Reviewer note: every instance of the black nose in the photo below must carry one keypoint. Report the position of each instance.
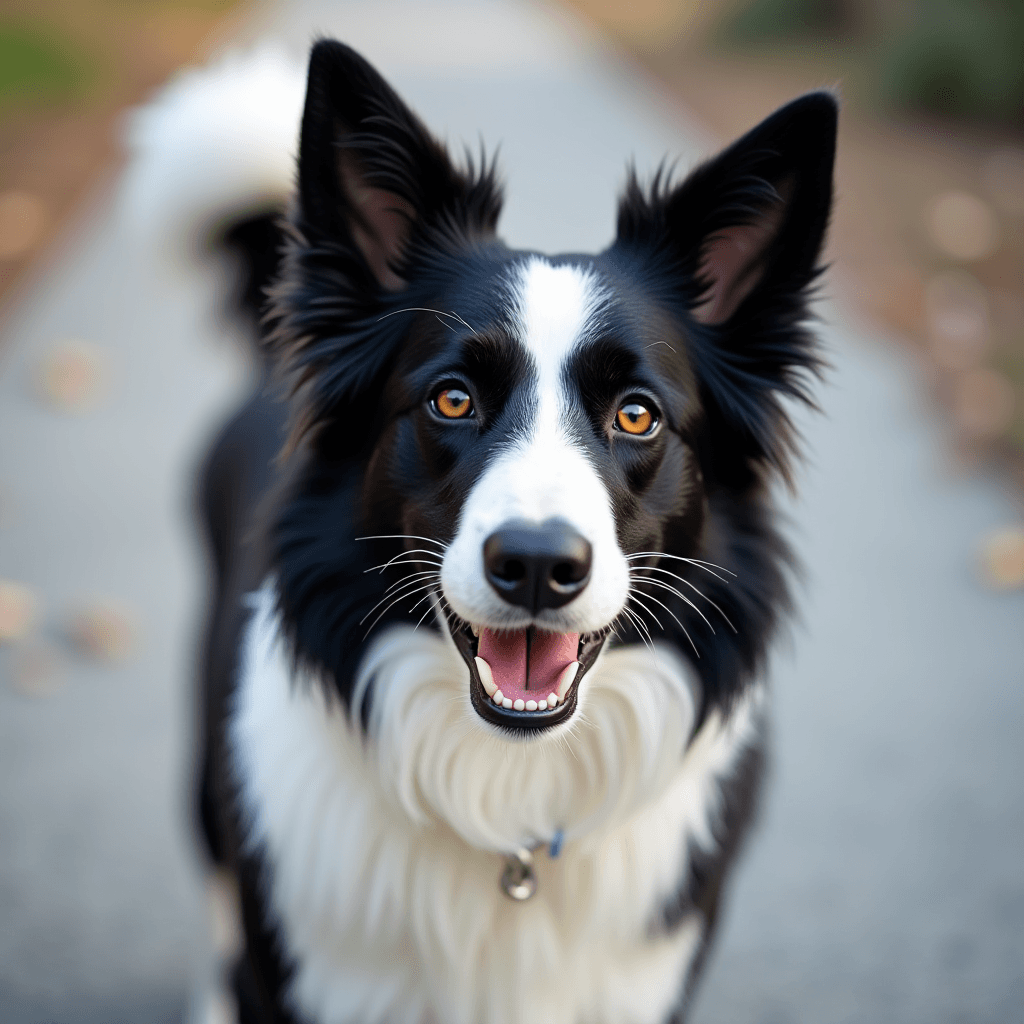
(537, 565)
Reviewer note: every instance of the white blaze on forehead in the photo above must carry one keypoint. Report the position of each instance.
(555, 306)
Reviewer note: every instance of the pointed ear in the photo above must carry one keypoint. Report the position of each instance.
(753, 218)
(735, 249)
(378, 202)
(370, 174)
(766, 200)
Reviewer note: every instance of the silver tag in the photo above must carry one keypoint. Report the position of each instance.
(518, 879)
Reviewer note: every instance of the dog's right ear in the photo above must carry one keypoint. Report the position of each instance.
(378, 197)
(370, 174)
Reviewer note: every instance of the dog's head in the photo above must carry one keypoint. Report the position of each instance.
(545, 452)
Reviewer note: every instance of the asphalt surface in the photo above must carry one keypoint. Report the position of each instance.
(886, 879)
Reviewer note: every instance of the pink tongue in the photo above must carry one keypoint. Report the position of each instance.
(506, 652)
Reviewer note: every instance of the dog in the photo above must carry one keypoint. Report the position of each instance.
(496, 573)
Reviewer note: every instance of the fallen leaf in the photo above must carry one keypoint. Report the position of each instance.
(38, 671)
(983, 404)
(1002, 558)
(17, 611)
(962, 226)
(105, 631)
(23, 218)
(72, 376)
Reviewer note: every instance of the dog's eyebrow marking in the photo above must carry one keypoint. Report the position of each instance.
(426, 309)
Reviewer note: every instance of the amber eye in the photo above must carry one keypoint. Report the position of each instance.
(453, 404)
(635, 418)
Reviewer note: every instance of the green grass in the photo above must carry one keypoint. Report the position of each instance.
(960, 59)
(783, 21)
(39, 65)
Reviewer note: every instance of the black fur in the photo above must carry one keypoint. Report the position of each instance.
(361, 359)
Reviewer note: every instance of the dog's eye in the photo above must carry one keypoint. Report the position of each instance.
(635, 418)
(453, 404)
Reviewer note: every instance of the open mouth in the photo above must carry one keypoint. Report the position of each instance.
(525, 678)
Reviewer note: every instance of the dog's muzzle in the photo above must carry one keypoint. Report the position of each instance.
(527, 678)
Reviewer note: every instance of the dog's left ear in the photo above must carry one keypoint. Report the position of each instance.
(755, 216)
(741, 238)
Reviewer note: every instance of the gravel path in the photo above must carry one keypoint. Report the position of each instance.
(886, 881)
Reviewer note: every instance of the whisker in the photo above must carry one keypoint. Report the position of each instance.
(448, 614)
(681, 626)
(633, 596)
(699, 563)
(412, 576)
(681, 596)
(417, 604)
(402, 554)
(654, 568)
(461, 321)
(405, 536)
(412, 551)
(641, 627)
(425, 614)
(411, 561)
(397, 596)
(658, 568)
(630, 622)
(400, 597)
(651, 597)
(426, 309)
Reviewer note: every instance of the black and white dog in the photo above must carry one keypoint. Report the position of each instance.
(497, 573)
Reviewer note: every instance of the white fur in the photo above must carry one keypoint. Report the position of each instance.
(383, 849)
(544, 473)
(214, 142)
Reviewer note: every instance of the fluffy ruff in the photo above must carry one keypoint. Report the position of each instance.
(385, 879)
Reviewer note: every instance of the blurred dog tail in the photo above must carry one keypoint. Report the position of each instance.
(210, 171)
(212, 166)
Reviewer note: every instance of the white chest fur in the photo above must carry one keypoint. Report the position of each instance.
(385, 852)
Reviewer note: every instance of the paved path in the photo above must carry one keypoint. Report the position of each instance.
(886, 882)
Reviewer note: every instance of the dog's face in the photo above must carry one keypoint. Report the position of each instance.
(534, 447)
(539, 432)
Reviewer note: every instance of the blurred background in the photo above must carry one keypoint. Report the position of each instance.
(888, 882)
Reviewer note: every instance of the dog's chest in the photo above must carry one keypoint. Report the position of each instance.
(419, 930)
(391, 919)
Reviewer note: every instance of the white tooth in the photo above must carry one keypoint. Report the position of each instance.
(497, 696)
(519, 704)
(506, 703)
(565, 680)
(476, 631)
(531, 705)
(486, 676)
(542, 705)
(552, 699)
